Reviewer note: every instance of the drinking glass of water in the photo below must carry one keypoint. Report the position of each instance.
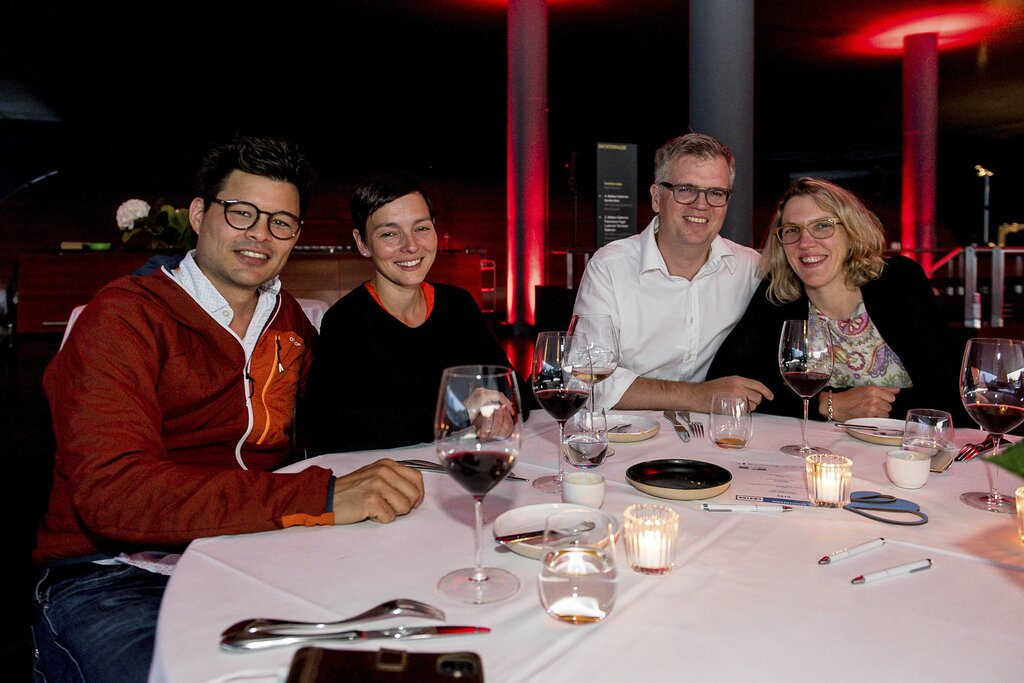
(586, 439)
(578, 576)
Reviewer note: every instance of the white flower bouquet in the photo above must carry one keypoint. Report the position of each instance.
(165, 228)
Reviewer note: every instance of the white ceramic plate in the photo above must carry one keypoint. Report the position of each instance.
(639, 429)
(886, 438)
(533, 517)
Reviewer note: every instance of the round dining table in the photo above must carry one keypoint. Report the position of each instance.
(747, 599)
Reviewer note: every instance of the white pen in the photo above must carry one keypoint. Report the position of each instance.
(908, 568)
(714, 507)
(850, 552)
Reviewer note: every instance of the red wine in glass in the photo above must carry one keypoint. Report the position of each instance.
(562, 404)
(806, 384)
(805, 361)
(992, 390)
(995, 418)
(478, 471)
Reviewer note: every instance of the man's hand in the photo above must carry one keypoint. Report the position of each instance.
(659, 394)
(380, 491)
(732, 385)
(858, 402)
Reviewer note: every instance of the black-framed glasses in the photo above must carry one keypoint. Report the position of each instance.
(243, 215)
(819, 229)
(687, 194)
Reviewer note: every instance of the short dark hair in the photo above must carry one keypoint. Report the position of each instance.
(382, 189)
(268, 157)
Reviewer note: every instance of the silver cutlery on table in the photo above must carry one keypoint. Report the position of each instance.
(537, 533)
(972, 450)
(261, 641)
(399, 607)
(696, 428)
(680, 428)
(881, 431)
(620, 429)
(428, 466)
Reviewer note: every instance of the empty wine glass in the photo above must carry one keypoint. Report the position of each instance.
(992, 390)
(805, 360)
(477, 439)
(561, 366)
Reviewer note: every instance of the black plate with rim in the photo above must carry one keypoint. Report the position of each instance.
(679, 479)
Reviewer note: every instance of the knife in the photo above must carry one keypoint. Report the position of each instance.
(537, 533)
(680, 429)
(260, 641)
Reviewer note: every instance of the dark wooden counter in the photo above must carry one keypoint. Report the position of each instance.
(50, 285)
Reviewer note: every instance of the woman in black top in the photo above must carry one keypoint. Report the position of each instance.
(893, 349)
(383, 346)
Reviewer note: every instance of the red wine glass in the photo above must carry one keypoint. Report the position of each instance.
(561, 370)
(992, 390)
(477, 439)
(805, 361)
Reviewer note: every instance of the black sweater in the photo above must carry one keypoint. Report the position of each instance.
(903, 308)
(374, 380)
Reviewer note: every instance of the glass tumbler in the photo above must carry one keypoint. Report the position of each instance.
(578, 576)
(730, 421)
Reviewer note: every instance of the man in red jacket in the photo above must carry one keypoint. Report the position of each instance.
(172, 403)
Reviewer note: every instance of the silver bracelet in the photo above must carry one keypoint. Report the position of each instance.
(831, 415)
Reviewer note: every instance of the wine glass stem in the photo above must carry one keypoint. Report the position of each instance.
(993, 493)
(803, 427)
(561, 445)
(479, 574)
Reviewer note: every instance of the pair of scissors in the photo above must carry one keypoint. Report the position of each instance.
(867, 502)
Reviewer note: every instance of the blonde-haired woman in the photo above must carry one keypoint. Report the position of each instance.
(823, 257)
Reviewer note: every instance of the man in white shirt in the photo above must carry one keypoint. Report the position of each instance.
(677, 289)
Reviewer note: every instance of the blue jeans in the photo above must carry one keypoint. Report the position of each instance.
(95, 623)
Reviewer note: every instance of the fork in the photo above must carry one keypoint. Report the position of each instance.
(697, 428)
(417, 464)
(392, 608)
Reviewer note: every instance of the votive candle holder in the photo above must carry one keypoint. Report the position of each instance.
(650, 531)
(828, 479)
(1020, 513)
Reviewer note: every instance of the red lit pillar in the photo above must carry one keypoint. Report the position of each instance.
(527, 185)
(920, 133)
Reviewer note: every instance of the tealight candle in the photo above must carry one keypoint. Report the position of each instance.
(650, 533)
(828, 479)
(1020, 513)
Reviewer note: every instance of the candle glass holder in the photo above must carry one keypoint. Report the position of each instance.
(1020, 513)
(650, 531)
(828, 479)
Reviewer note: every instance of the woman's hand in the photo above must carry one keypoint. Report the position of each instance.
(858, 402)
(492, 414)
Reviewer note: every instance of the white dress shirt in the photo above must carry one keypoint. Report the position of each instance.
(669, 327)
(194, 281)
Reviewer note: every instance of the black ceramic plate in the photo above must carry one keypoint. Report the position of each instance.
(679, 479)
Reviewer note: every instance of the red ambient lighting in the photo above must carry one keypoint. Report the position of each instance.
(956, 26)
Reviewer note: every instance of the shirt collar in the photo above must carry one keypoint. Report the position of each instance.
(720, 254)
(194, 281)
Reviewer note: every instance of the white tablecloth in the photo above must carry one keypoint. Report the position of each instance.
(747, 600)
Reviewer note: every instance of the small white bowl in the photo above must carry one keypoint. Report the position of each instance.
(907, 469)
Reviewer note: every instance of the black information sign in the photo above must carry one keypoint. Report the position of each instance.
(616, 191)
